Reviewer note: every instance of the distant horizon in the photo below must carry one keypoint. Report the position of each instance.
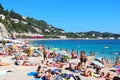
(71, 16)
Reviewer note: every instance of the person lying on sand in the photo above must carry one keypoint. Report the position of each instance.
(28, 63)
(102, 76)
(108, 76)
(20, 57)
(56, 64)
(87, 72)
(3, 64)
(48, 64)
(70, 67)
(48, 75)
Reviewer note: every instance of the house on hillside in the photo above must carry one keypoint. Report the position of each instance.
(62, 31)
(118, 37)
(62, 37)
(24, 17)
(15, 20)
(111, 38)
(47, 30)
(24, 22)
(100, 38)
(2, 16)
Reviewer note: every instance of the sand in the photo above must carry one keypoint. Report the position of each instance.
(20, 72)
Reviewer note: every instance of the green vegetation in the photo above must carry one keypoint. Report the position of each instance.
(26, 25)
(14, 22)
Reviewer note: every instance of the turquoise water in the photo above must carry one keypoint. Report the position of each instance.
(103, 48)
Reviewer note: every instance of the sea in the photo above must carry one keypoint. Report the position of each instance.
(109, 49)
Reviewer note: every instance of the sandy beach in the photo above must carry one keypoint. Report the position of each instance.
(20, 72)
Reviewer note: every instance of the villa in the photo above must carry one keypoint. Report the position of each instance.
(2, 16)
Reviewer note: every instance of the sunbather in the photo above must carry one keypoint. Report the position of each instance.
(3, 64)
(40, 72)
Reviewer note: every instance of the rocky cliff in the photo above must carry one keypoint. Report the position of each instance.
(3, 31)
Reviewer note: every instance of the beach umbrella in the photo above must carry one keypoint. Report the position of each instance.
(55, 49)
(98, 63)
(9, 44)
(99, 58)
(60, 52)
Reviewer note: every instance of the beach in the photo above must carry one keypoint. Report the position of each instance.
(20, 72)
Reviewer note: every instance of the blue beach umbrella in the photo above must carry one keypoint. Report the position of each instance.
(10, 44)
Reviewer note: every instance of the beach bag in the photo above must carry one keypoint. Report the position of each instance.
(76, 78)
(68, 76)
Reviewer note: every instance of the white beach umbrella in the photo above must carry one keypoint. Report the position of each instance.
(98, 63)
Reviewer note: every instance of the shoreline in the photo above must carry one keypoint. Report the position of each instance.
(64, 39)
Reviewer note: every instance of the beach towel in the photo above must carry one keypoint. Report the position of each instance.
(68, 76)
(76, 71)
(63, 75)
(57, 77)
(32, 74)
(37, 79)
(55, 59)
(4, 72)
(115, 66)
(54, 71)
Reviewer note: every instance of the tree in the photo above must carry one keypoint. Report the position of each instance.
(6, 13)
(1, 9)
(15, 15)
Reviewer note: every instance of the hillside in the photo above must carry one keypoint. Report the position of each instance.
(17, 24)
(13, 24)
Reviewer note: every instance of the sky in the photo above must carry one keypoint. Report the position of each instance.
(71, 15)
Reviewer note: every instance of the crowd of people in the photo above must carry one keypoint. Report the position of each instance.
(46, 74)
